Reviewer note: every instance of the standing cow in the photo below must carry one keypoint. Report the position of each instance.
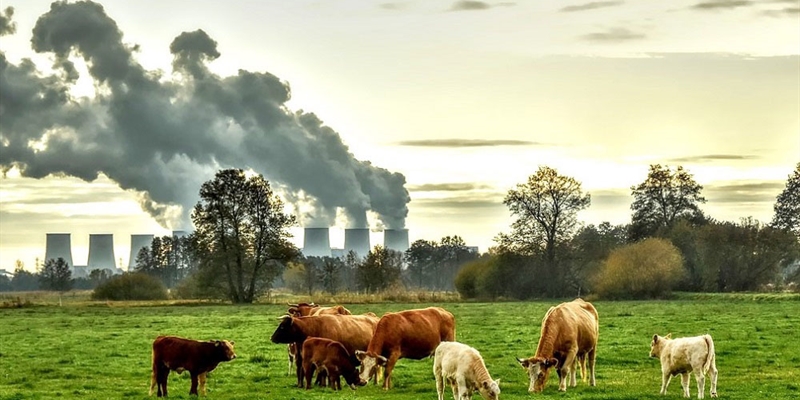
(304, 310)
(179, 354)
(406, 334)
(463, 368)
(569, 336)
(353, 331)
(330, 357)
(684, 355)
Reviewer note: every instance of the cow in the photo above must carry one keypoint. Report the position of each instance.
(462, 367)
(331, 357)
(568, 338)
(353, 331)
(179, 354)
(306, 309)
(684, 355)
(406, 334)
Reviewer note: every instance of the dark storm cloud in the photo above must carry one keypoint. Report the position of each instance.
(711, 158)
(164, 138)
(468, 143)
(744, 192)
(614, 35)
(591, 6)
(721, 4)
(448, 187)
(7, 27)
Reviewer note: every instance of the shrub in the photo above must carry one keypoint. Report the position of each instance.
(466, 281)
(647, 269)
(131, 286)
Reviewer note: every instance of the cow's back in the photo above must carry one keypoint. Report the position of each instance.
(352, 331)
(568, 325)
(415, 333)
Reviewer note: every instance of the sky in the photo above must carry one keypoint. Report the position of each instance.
(406, 114)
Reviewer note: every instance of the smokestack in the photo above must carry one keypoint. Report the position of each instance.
(101, 252)
(357, 240)
(396, 239)
(59, 245)
(316, 242)
(138, 242)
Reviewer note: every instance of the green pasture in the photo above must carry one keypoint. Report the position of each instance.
(102, 351)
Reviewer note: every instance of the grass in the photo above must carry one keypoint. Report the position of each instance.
(102, 351)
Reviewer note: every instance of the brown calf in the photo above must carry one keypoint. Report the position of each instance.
(329, 356)
(179, 354)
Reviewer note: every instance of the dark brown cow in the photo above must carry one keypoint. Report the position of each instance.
(331, 357)
(352, 331)
(406, 334)
(569, 337)
(179, 354)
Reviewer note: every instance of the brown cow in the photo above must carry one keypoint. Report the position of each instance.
(331, 357)
(306, 309)
(353, 331)
(179, 354)
(406, 334)
(569, 336)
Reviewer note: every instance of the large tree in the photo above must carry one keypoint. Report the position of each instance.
(242, 237)
(168, 258)
(380, 269)
(665, 197)
(545, 208)
(55, 275)
(421, 260)
(787, 205)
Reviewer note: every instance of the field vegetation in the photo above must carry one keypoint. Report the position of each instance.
(101, 350)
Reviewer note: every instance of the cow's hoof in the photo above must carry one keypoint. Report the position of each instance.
(714, 394)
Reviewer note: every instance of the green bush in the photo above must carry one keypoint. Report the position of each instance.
(131, 286)
(647, 269)
(466, 281)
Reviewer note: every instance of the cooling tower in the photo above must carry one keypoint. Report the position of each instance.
(357, 240)
(101, 252)
(316, 242)
(179, 234)
(138, 242)
(395, 239)
(59, 245)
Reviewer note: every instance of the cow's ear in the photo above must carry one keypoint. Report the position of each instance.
(551, 363)
(669, 335)
(655, 338)
(524, 362)
(232, 342)
(360, 355)
(217, 343)
(497, 382)
(381, 360)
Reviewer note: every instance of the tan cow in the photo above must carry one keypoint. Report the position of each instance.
(353, 331)
(179, 354)
(410, 334)
(463, 368)
(568, 337)
(684, 355)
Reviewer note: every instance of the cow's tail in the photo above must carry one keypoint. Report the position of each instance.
(710, 356)
(153, 376)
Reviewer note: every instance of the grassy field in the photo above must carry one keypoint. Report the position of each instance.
(102, 351)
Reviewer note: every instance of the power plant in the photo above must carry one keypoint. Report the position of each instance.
(138, 242)
(59, 245)
(316, 242)
(357, 240)
(101, 252)
(396, 239)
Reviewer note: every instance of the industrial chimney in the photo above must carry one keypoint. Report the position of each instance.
(101, 252)
(138, 242)
(357, 240)
(316, 242)
(59, 245)
(396, 239)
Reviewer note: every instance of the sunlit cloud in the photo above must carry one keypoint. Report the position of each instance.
(591, 6)
(469, 143)
(614, 35)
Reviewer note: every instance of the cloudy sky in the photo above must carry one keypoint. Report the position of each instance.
(113, 113)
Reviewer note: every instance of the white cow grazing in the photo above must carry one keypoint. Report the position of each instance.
(463, 368)
(684, 355)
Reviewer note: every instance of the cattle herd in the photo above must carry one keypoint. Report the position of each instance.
(336, 344)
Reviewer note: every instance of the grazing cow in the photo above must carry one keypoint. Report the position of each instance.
(462, 367)
(352, 331)
(179, 354)
(406, 334)
(306, 309)
(331, 357)
(568, 338)
(684, 355)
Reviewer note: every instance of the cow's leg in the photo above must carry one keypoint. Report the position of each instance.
(700, 377)
(454, 387)
(591, 356)
(202, 380)
(322, 378)
(298, 361)
(193, 389)
(387, 373)
(162, 376)
(308, 371)
(573, 372)
(685, 383)
(565, 370)
(665, 378)
(439, 384)
(291, 359)
(463, 390)
(713, 372)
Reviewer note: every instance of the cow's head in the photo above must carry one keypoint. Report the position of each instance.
(286, 332)
(352, 377)
(490, 390)
(538, 370)
(657, 344)
(370, 363)
(224, 350)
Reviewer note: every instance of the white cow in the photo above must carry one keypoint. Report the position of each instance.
(463, 368)
(684, 355)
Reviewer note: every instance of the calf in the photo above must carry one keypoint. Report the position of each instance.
(684, 355)
(463, 368)
(331, 357)
(179, 354)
